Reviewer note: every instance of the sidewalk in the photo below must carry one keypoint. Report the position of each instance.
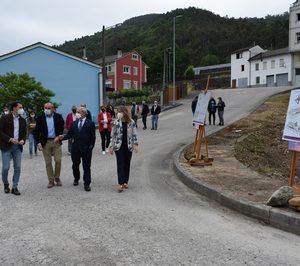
(220, 181)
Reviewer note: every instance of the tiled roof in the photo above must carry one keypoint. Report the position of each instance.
(271, 53)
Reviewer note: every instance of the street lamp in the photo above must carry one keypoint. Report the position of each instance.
(174, 55)
(166, 66)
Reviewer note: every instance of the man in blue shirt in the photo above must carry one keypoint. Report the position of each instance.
(48, 128)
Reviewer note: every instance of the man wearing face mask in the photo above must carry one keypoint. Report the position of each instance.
(83, 133)
(12, 139)
(48, 128)
(5, 111)
(71, 117)
(155, 111)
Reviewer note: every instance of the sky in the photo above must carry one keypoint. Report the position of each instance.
(24, 22)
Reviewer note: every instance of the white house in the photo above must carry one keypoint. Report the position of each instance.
(240, 66)
(271, 68)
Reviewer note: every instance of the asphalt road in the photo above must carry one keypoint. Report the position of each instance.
(157, 221)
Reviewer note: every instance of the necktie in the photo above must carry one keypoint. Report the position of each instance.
(80, 124)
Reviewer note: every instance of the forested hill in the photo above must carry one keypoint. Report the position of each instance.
(198, 33)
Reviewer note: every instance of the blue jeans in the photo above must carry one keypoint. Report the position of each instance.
(32, 143)
(154, 121)
(15, 153)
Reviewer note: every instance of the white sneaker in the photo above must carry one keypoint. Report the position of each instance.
(103, 153)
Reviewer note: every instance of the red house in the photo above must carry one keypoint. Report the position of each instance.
(124, 70)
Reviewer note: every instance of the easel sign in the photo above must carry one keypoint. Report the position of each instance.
(201, 109)
(291, 133)
(199, 124)
(291, 130)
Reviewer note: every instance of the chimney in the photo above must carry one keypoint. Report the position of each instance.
(119, 52)
(84, 53)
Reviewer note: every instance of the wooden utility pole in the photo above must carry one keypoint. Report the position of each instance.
(103, 66)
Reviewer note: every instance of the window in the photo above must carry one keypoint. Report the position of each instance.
(135, 71)
(126, 69)
(273, 64)
(135, 84)
(281, 62)
(109, 68)
(264, 65)
(242, 68)
(239, 55)
(135, 57)
(298, 16)
(257, 67)
(298, 37)
(126, 84)
(108, 83)
(257, 80)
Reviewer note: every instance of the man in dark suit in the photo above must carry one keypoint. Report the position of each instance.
(12, 139)
(83, 133)
(48, 128)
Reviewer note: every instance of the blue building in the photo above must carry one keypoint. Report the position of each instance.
(72, 79)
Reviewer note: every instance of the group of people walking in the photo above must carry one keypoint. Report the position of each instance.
(144, 110)
(212, 108)
(47, 131)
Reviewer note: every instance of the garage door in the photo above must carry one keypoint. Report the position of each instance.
(282, 79)
(270, 81)
(242, 82)
(297, 77)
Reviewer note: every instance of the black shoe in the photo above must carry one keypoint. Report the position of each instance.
(75, 183)
(15, 191)
(6, 188)
(87, 188)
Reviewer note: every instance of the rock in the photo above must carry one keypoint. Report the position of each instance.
(295, 201)
(280, 197)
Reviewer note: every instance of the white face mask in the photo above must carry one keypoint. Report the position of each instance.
(47, 111)
(32, 116)
(21, 111)
(6, 112)
(119, 115)
(78, 115)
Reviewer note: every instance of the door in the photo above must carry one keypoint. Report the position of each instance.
(242, 82)
(270, 81)
(297, 77)
(233, 85)
(282, 79)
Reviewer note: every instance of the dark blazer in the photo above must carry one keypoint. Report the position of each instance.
(157, 110)
(83, 140)
(41, 129)
(145, 109)
(7, 131)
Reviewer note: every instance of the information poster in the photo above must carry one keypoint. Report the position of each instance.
(201, 109)
(291, 130)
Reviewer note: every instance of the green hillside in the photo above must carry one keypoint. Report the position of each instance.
(198, 33)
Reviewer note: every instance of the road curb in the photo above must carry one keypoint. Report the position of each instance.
(287, 221)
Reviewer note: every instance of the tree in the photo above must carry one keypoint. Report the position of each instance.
(209, 60)
(26, 90)
(189, 73)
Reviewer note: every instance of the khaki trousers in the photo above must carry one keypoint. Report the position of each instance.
(49, 150)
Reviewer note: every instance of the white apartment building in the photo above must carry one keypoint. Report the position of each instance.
(240, 66)
(271, 68)
(294, 41)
